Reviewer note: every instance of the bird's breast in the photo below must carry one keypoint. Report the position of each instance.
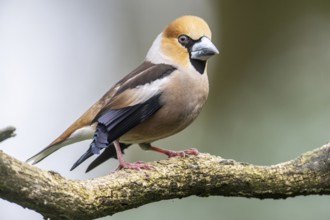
(182, 100)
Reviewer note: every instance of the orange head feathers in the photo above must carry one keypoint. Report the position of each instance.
(179, 42)
(192, 26)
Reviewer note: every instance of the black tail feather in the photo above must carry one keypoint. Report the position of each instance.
(108, 153)
(84, 157)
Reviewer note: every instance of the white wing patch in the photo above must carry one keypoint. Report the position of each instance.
(145, 92)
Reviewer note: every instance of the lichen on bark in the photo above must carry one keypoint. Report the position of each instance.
(56, 197)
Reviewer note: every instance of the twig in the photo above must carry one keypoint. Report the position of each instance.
(6, 133)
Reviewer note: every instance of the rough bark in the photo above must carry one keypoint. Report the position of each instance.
(204, 175)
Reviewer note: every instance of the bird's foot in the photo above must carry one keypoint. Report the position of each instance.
(182, 153)
(136, 166)
(170, 153)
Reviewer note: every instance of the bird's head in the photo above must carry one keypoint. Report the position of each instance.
(185, 41)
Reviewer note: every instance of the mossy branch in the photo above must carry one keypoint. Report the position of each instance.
(55, 197)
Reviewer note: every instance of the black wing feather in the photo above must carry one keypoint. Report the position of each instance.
(84, 157)
(113, 123)
(120, 121)
(107, 154)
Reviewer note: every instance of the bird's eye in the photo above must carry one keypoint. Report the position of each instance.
(183, 40)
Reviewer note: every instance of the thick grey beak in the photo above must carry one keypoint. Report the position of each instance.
(203, 49)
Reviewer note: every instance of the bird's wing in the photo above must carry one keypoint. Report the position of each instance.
(84, 127)
(113, 123)
(135, 100)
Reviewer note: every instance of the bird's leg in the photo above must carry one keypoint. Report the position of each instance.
(170, 153)
(123, 164)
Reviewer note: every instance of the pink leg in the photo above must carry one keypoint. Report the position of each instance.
(171, 153)
(123, 164)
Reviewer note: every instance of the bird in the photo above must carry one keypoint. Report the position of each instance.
(159, 98)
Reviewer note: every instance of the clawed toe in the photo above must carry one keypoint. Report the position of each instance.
(136, 166)
(191, 151)
(183, 153)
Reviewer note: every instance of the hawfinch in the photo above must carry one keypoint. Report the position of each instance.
(159, 98)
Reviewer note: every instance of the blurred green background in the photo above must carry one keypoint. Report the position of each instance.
(269, 88)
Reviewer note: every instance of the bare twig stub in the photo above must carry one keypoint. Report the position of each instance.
(204, 175)
(6, 133)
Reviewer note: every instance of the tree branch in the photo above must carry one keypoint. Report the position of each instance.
(204, 175)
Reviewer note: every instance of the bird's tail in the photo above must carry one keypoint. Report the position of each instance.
(44, 153)
(81, 134)
(80, 130)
